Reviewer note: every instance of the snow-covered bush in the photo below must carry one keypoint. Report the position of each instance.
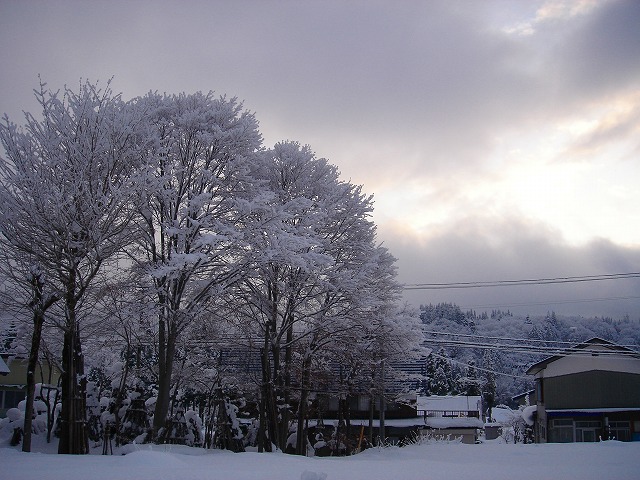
(517, 425)
(12, 426)
(428, 437)
(194, 429)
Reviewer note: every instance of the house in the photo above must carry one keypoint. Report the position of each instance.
(587, 393)
(525, 398)
(13, 384)
(500, 417)
(455, 416)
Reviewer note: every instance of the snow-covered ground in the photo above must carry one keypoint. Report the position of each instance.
(491, 460)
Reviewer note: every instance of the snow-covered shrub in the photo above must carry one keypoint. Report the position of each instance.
(135, 424)
(428, 437)
(94, 424)
(517, 425)
(13, 425)
(194, 429)
(251, 435)
(228, 434)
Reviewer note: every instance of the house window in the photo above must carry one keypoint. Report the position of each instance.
(620, 431)
(539, 391)
(588, 431)
(588, 424)
(561, 431)
(363, 403)
(563, 422)
(10, 398)
(359, 403)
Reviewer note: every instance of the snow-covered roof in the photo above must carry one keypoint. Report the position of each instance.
(4, 369)
(449, 403)
(501, 415)
(523, 395)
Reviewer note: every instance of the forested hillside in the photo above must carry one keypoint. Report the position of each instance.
(474, 349)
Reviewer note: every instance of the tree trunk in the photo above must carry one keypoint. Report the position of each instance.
(288, 356)
(301, 434)
(372, 402)
(39, 306)
(347, 415)
(264, 436)
(383, 406)
(38, 318)
(372, 406)
(81, 439)
(279, 431)
(73, 432)
(51, 407)
(119, 400)
(167, 348)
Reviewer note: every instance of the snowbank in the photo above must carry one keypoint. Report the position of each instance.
(490, 460)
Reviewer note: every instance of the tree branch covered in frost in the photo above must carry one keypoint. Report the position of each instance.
(190, 227)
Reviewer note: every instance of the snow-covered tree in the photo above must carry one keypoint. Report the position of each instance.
(470, 382)
(489, 380)
(276, 295)
(319, 281)
(66, 191)
(24, 280)
(197, 205)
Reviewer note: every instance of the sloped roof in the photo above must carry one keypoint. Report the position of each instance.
(582, 348)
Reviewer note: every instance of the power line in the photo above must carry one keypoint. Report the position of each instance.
(533, 350)
(481, 369)
(524, 345)
(515, 339)
(530, 281)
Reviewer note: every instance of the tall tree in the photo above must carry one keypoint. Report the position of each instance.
(66, 191)
(288, 256)
(470, 382)
(198, 203)
(26, 286)
(489, 380)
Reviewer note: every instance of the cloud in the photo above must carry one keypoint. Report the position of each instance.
(491, 249)
(616, 122)
(498, 137)
(600, 52)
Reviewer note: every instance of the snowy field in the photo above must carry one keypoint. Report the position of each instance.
(495, 461)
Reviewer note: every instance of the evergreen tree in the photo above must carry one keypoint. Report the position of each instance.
(489, 381)
(471, 381)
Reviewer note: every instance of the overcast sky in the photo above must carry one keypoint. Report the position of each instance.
(501, 139)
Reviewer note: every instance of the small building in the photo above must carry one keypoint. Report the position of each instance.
(13, 383)
(587, 393)
(500, 418)
(451, 416)
(525, 398)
